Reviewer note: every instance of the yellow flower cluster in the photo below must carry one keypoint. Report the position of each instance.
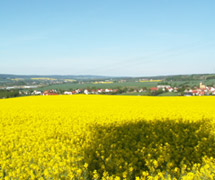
(107, 137)
(43, 78)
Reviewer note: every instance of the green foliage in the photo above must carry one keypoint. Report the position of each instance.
(169, 94)
(155, 93)
(211, 77)
(164, 83)
(8, 93)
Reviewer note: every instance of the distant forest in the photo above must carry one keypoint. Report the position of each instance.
(190, 77)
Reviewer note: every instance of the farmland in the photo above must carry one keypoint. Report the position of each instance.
(131, 84)
(67, 86)
(103, 86)
(137, 86)
(109, 137)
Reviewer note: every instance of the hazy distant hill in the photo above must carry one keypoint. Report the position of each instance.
(11, 76)
(91, 77)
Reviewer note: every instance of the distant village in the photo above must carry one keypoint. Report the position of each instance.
(202, 90)
(179, 85)
(77, 91)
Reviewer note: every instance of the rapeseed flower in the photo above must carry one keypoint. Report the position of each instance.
(107, 137)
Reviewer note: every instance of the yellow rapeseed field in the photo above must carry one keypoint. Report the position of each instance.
(107, 137)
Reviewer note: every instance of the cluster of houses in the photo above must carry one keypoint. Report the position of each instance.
(99, 91)
(87, 91)
(202, 90)
(77, 91)
(164, 88)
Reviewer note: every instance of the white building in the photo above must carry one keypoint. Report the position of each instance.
(68, 93)
(86, 91)
(108, 90)
(35, 92)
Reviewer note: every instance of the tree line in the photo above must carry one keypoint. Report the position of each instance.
(8, 93)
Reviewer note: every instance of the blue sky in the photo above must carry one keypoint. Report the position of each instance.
(107, 37)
